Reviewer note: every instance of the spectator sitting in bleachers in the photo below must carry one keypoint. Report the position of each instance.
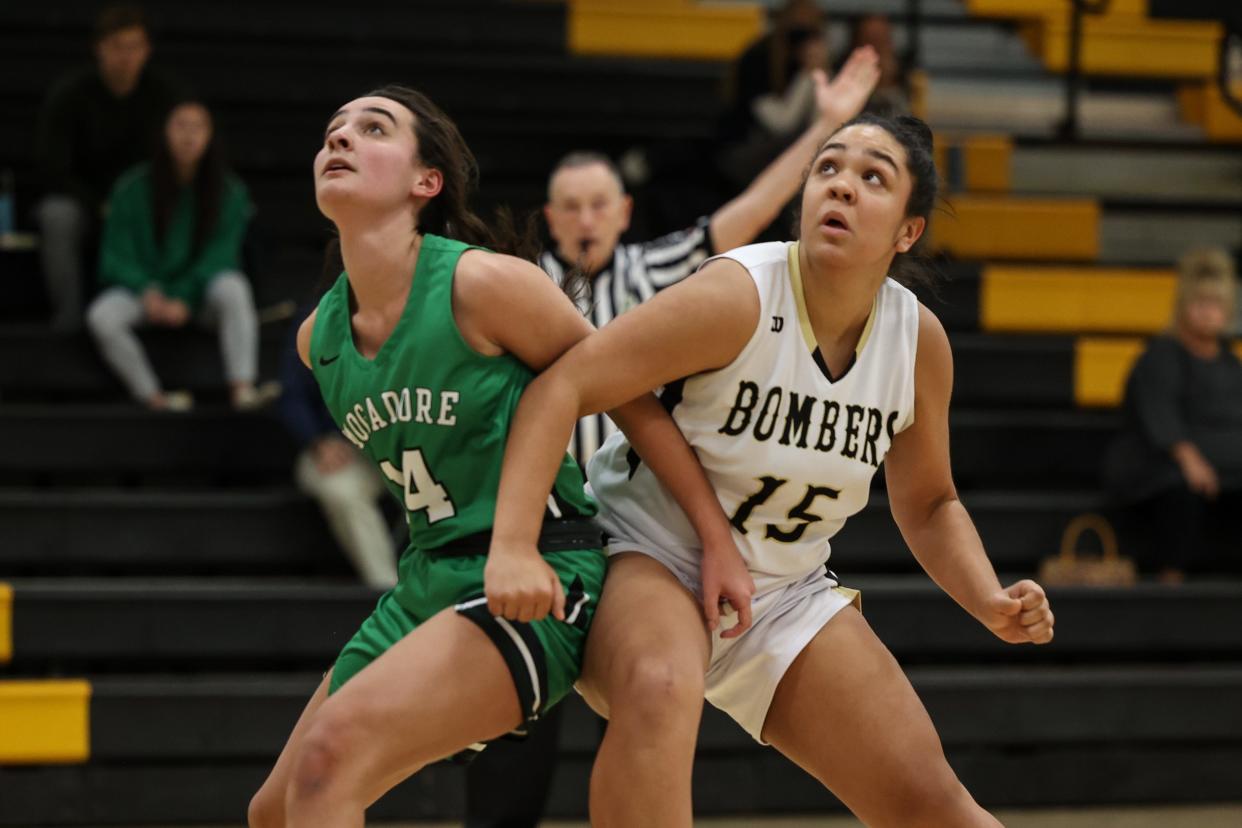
(333, 472)
(771, 95)
(890, 96)
(1176, 467)
(95, 123)
(171, 251)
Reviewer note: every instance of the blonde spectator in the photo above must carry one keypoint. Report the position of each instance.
(1176, 468)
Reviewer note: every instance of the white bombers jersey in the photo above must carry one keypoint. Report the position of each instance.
(790, 453)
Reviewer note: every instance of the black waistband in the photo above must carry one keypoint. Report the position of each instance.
(555, 536)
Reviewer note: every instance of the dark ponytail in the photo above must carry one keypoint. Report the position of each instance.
(442, 147)
(911, 269)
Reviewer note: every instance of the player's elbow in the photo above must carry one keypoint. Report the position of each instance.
(915, 512)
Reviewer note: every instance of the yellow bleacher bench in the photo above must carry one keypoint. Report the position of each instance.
(1203, 104)
(1075, 299)
(1000, 227)
(44, 722)
(1048, 8)
(668, 29)
(1102, 366)
(1131, 47)
(975, 163)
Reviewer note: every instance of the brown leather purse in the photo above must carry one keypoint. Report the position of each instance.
(1071, 568)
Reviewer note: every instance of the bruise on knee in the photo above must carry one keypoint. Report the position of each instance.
(321, 757)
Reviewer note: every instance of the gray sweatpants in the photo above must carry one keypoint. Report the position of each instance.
(227, 304)
(63, 224)
(348, 498)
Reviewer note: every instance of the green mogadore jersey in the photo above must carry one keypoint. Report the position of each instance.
(432, 412)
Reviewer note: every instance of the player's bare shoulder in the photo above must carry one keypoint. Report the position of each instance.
(934, 359)
(493, 290)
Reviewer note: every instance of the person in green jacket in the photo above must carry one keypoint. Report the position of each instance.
(171, 252)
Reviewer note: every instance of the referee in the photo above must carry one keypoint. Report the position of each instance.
(587, 211)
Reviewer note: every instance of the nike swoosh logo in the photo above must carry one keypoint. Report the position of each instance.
(325, 361)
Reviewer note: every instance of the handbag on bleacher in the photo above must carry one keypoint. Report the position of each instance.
(1070, 567)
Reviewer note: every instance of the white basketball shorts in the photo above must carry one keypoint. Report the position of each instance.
(743, 672)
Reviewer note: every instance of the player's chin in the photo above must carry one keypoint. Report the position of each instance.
(829, 252)
(333, 196)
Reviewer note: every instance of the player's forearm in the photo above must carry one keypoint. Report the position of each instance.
(541, 429)
(657, 440)
(947, 546)
(738, 222)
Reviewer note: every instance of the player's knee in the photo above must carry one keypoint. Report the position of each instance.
(658, 686)
(320, 761)
(266, 809)
(937, 799)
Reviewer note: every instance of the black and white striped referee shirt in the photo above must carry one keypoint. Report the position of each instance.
(639, 271)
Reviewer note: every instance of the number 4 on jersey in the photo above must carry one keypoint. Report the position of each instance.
(422, 491)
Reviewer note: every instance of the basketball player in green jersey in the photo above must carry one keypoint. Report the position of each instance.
(422, 349)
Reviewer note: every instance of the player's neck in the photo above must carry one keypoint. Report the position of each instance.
(839, 302)
(379, 256)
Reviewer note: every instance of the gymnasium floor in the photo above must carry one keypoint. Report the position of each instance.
(1198, 816)
(1226, 816)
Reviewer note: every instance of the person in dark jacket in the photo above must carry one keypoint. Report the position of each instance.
(1175, 470)
(97, 122)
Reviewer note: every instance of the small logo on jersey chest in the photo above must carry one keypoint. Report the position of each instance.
(326, 361)
(778, 324)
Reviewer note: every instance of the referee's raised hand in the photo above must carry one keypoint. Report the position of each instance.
(846, 94)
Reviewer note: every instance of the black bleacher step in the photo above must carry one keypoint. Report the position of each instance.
(186, 718)
(952, 293)
(536, 86)
(989, 370)
(145, 532)
(36, 360)
(443, 25)
(148, 623)
(58, 439)
(1023, 371)
(193, 793)
(1030, 449)
(1081, 775)
(999, 449)
(1018, 529)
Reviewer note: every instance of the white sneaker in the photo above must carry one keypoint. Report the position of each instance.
(255, 397)
(177, 402)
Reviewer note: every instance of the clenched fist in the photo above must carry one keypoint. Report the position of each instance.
(1020, 614)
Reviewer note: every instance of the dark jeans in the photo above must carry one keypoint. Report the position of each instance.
(1178, 529)
(507, 785)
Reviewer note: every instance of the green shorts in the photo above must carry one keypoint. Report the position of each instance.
(544, 657)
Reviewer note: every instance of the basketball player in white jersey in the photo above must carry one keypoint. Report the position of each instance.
(794, 370)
